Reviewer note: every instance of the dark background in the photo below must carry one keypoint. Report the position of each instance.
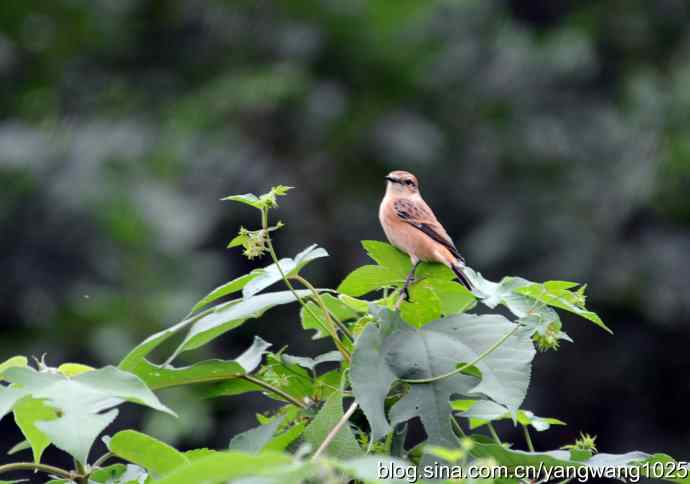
(551, 137)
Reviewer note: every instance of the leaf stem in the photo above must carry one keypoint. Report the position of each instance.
(483, 355)
(493, 433)
(274, 256)
(457, 427)
(275, 390)
(528, 439)
(20, 466)
(334, 321)
(102, 459)
(334, 431)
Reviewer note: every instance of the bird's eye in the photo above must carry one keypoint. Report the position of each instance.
(409, 183)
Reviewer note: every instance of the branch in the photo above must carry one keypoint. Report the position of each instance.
(275, 390)
(334, 431)
(20, 466)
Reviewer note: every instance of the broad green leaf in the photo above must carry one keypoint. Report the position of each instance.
(388, 256)
(289, 377)
(73, 369)
(224, 290)
(314, 318)
(454, 297)
(108, 475)
(165, 376)
(424, 305)
(26, 413)
(80, 400)
(344, 445)
(14, 362)
(75, 432)
(358, 305)
(150, 453)
(281, 441)
(256, 439)
(368, 278)
(223, 466)
(230, 315)
(231, 388)
(372, 378)
(438, 348)
(8, 398)
(269, 275)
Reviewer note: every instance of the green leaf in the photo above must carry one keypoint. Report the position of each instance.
(372, 378)
(75, 432)
(368, 278)
(134, 357)
(454, 297)
(388, 256)
(225, 317)
(269, 275)
(437, 349)
(424, 305)
(8, 398)
(368, 468)
(281, 441)
(165, 376)
(223, 466)
(79, 401)
(73, 369)
(556, 294)
(26, 413)
(224, 290)
(483, 411)
(344, 445)
(311, 363)
(14, 362)
(152, 454)
(247, 198)
(357, 305)
(256, 439)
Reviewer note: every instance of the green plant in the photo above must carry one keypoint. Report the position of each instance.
(430, 357)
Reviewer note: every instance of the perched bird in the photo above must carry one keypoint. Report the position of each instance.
(411, 226)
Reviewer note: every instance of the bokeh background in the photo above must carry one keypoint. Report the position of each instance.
(552, 138)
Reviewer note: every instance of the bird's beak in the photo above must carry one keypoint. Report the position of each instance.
(391, 179)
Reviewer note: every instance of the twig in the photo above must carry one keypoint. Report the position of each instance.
(275, 390)
(20, 466)
(334, 431)
(528, 439)
(457, 427)
(102, 459)
(483, 355)
(493, 433)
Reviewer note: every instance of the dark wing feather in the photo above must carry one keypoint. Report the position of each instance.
(421, 217)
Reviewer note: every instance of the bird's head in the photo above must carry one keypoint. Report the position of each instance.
(402, 183)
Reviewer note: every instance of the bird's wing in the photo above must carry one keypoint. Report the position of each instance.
(418, 214)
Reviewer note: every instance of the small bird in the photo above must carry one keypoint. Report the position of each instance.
(411, 226)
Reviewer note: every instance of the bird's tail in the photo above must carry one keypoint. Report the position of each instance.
(457, 269)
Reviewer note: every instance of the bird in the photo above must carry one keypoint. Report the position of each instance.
(411, 226)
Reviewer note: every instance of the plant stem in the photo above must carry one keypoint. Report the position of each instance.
(493, 433)
(20, 466)
(528, 439)
(331, 318)
(334, 431)
(274, 256)
(457, 427)
(102, 459)
(483, 355)
(275, 390)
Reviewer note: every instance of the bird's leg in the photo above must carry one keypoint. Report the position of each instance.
(410, 277)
